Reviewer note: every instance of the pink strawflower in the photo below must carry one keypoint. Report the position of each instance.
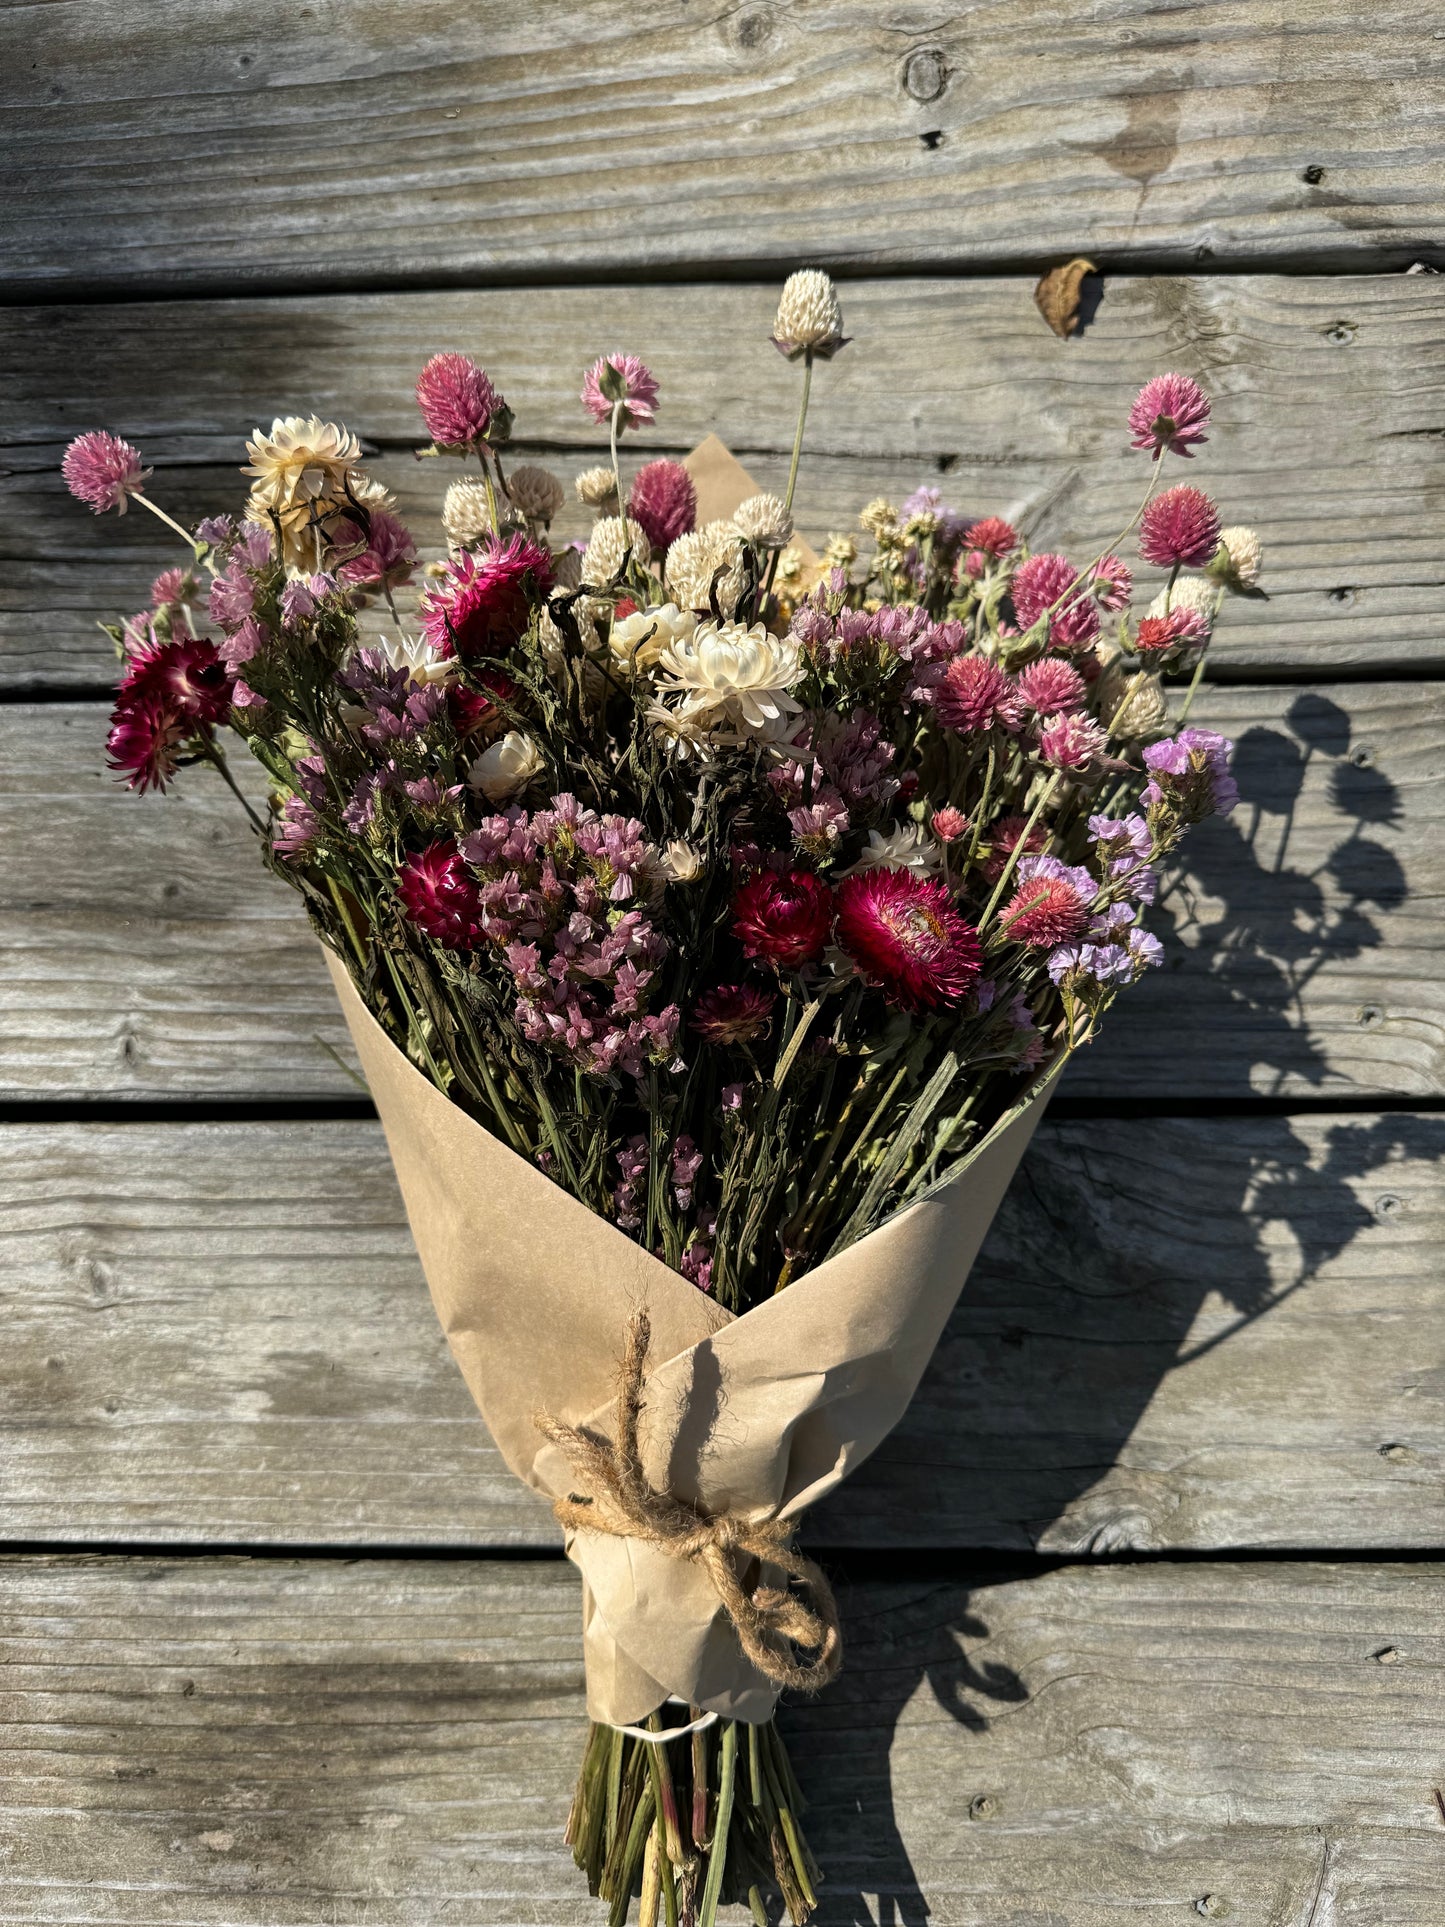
(1004, 837)
(1050, 687)
(103, 471)
(1181, 627)
(1038, 584)
(1072, 741)
(1180, 528)
(949, 824)
(1113, 584)
(992, 536)
(663, 501)
(629, 381)
(440, 897)
(974, 694)
(733, 1013)
(904, 934)
(456, 399)
(1169, 412)
(186, 675)
(484, 601)
(146, 733)
(783, 920)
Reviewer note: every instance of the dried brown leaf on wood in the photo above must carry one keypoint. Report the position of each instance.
(1057, 295)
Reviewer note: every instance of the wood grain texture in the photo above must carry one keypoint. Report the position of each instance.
(1329, 400)
(229, 1743)
(1186, 1334)
(145, 954)
(222, 145)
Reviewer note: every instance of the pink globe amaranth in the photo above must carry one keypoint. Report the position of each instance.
(905, 936)
(1003, 837)
(1181, 626)
(439, 895)
(1113, 584)
(663, 502)
(1171, 411)
(1179, 529)
(1050, 687)
(948, 824)
(732, 1013)
(974, 694)
(783, 919)
(102, 471)
(992, 536)
(1045, 911)
(634, 384)
(483, 603)
(456, 399)
(1038, 584)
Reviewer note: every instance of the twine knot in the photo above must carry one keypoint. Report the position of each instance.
(773, 1623)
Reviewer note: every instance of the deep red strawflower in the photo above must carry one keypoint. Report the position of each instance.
(733, 1013)
(1180, 528)
(973, 694)
(102, 471)
(1004, 835)
(1169, 412)
(473, 709)
(1038, 584)
(456, 399)
(1158, 633)
(1050, 686)
(439, 895)
(904, 935)
(783, 919)
(992, 535)
(186, 674)
(1044, 911)
(146, 733)
(663, 501)
(484, 601)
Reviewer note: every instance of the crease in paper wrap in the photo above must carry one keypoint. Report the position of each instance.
(765, 1412)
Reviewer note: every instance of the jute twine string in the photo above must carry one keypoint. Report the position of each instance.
(773, 1624)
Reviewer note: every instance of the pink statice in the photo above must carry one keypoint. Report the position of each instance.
(103, 471)
(619, 378)
(243, 645)
(297, 829)
(1179, 529)
(949, 524)
(686, 1163)
(301, 597)
(629, 1199)
(173, 588)
(1171, 412)
(457, 401)
(381, 555)
(394, 708)
(663, 503)
(1050, 687)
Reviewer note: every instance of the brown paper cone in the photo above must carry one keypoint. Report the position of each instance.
(763, 1413)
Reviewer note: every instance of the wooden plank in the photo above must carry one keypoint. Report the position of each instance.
(228, 1743)
(257, 145)
(1182, 1334)
(144, 953)
(1327, 400)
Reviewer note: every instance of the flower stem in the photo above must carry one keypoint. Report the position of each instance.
(216, 757)
(171, 523)
(1006, 874)
(717, 1858)
(1191, 692)
(798, 435)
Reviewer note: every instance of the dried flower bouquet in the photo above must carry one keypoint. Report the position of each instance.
(747, 898)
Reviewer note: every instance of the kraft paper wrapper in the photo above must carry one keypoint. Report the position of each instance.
(766, 1412)
(722, 483)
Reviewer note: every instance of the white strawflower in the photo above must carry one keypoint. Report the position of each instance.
(609, 542)
(681, 862)
(809, 317)
(727, 682)
(694, 559)
(1239, 557)
(465, 515)
(536, 492)
(597, 488)
(907, 846)
(505, 768)
(1191, 592)
(639, 639)
(421, 661)
(764, 520)
(302, 467)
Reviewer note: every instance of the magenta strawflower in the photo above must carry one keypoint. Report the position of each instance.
(457, 400)
(904, 934)
(103, 471)
(975, 694)
(1180, 529)
(783, 920)
(440, 897)
(146, 733)
(733, 1013)
(620, 378)
(1050, 687)
(663, 501)
(1169, 412)
(484, 601)
(186, 675)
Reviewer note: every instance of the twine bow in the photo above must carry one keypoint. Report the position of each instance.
(772, 1623)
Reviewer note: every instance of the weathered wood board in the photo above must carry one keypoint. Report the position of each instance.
(1203, 1334)
(269, 1743)
(1327, 406)
(220, 145)
(145, 954)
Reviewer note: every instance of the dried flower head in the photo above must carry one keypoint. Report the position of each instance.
(1133, 706)
(704, 563)
(639, 639)
(904, 934)
(1179, 629)
(466, 514)
(1238, 558)
(733, 1013)
(505, 767)
(1112, 584)
(948, 824)
(303, 468)
(726, 681)
(483, 600)
(612, 543)
(1072, 742)
(597, 488)
(783, 919)
(1045, 910)
(103, 471)
(879, 518)
(1179, 529)
(992, 537)
(440, 897)
(623, 382)
(1197, 594)
(146, 734)
(975, 694)
(764, 521)
(457, 401)
(1049, 687)
(809, 319)
(536, 492)
(1171, 412)
(663, 499)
